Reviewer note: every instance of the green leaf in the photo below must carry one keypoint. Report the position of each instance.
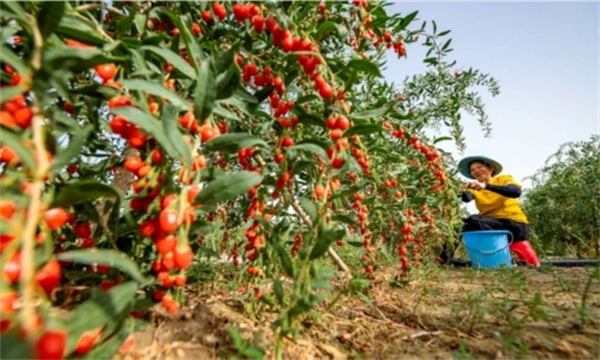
(348, 219)
(12, 346)
(112, 258)
(7, 56)
(310, 147)
(228, 82)
(15, 9)
(366, 299)
(158, 90)
(84, 191)
(174, 59)
(140, 22)
(9, 92)
(286, 261)
(100, 310)
(75, 28)
(445, 32)
(226, 60)
(406, 21)
(309, 207)
(76, 142)
(150, 125)
(14, 142)
(321, 281)
(232, 142)
(324, 242)
(108, 348)
(443, 138)
(97, 90)
(205, 93)
(278, 289)
(191, 43)
(363, 130)
(172, 133)
(49, 16)
(330, 26)
(77, 59)
(369, 114)
(431, 60)
(364, 65)
(228, 187)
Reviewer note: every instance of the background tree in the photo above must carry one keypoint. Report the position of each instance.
(564, 201)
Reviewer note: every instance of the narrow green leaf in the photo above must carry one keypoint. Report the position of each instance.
(286, 261)
(108, 348)
(14, 8)
(112, 258)
(76, 142)
(226, 60)
(174, 59)
(348, 219)
(191, 43)
(445, 32)
(172, 133)
(321, 281)
(7, 56)
(75, 28)
(156, 89)
(60, 54)
(228, 187)
(446, 44)
(221, 110)
(12, 345)
(278, 289)
(97, 90)
(228, 82)
(205, 93)
(443, 138)
(49, 16)
(309, 207)
(369, 114)
(364, 65)
(311, 147)
(406, 21)
(324, 242)
(84, 191)
(431, 60)
(14, 142)
(9, 92)
(232, 142)
(363, 130)
(150, 125)
(140, 22)
(331, 26)
(100, 310)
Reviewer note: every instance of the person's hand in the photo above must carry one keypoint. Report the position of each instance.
(476, 185)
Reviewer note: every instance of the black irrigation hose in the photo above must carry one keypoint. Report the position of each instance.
(570, 262)
(558, 263)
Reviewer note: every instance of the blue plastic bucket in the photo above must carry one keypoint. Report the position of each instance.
(488, 248)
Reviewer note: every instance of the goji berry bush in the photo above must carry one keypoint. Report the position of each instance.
(130, 131)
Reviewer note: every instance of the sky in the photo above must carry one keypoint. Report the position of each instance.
(545, 56)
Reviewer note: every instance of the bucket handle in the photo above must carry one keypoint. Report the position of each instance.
(491, 252)
(486, 252)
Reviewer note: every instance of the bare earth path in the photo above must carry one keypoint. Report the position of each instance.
(442, 314)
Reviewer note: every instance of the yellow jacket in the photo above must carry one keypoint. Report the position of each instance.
(495, 205)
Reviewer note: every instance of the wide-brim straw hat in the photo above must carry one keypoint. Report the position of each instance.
(463, 165)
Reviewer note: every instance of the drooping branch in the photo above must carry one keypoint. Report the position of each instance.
(336, 258)
(306, 219)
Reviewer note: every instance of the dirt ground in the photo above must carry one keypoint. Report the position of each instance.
(444, 313)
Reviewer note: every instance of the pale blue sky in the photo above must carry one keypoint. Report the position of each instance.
(545, 58)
